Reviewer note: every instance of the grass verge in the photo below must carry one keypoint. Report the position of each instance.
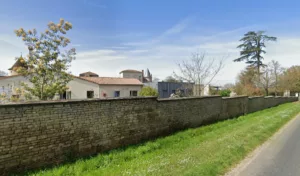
(208, 150)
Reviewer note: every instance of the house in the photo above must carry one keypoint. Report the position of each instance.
(140, 75)
(19, 63)
(110, 86)
(86, 85)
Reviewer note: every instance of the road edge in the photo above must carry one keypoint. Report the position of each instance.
(237, 169)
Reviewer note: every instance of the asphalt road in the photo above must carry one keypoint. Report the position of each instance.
(279, 157)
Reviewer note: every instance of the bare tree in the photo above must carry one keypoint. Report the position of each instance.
(276, 71)
(171, 79)
(200, 70)
(269, 77)
(265, 79)
(3, 73)
(228, 86)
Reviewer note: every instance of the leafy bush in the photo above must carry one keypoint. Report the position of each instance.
(225, 93)
(148, 91)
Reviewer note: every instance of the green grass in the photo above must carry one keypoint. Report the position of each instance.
(208, 150)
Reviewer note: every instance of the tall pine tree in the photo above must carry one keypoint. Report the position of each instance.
(252, 48)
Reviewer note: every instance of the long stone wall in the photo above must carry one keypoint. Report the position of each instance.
(45, 133)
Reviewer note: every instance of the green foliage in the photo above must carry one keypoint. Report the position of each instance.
(48, 60)
(213, 149)
(290, 79)
(225, 93)
(252, 48)
(247, 83)
(148, 91)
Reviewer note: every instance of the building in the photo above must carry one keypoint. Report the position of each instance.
(86, 85)
(109, 86)
(20, 63)
(140, 75)
(165, 89)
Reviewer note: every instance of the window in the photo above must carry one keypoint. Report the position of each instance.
(66, 95)
(90, 94)
(117, 94)
(133, 93)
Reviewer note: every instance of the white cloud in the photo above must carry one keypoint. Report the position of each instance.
(160, 54)
(179, 27)
(161, 59)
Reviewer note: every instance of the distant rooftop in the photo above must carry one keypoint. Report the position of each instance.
(88, 74)
(131, 71)
(19, 63)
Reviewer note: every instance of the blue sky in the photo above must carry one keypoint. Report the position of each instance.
(111, 35)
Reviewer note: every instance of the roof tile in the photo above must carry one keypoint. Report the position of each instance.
(113, 81)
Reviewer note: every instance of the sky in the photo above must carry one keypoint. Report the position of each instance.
(113, 35)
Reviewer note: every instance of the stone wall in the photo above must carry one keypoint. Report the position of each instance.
(233, 107)
(45, 133)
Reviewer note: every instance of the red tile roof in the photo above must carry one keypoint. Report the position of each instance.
(113, 81)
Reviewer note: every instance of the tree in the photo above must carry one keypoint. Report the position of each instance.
(225, 93)
(171, 79)
(48, 60)
(269, 78)
(246, 83)
(148, 91)
(3, 73)
(228, 86)
(200, 70)
(290, 79)
(156, 79)
(276, 71)
(266, 80)
(252, 48)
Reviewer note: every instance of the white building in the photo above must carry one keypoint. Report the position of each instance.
(87, 85)
(140, 75)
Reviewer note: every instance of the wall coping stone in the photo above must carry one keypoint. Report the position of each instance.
(188, 98)
(242, 96)
(50, 102)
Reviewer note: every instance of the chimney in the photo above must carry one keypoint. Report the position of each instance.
(142, 76)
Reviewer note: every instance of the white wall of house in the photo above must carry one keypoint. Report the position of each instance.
(8, 85)
(200, 89)
(206, 91)
(79, 88)
(138, 76)
(124, 90)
